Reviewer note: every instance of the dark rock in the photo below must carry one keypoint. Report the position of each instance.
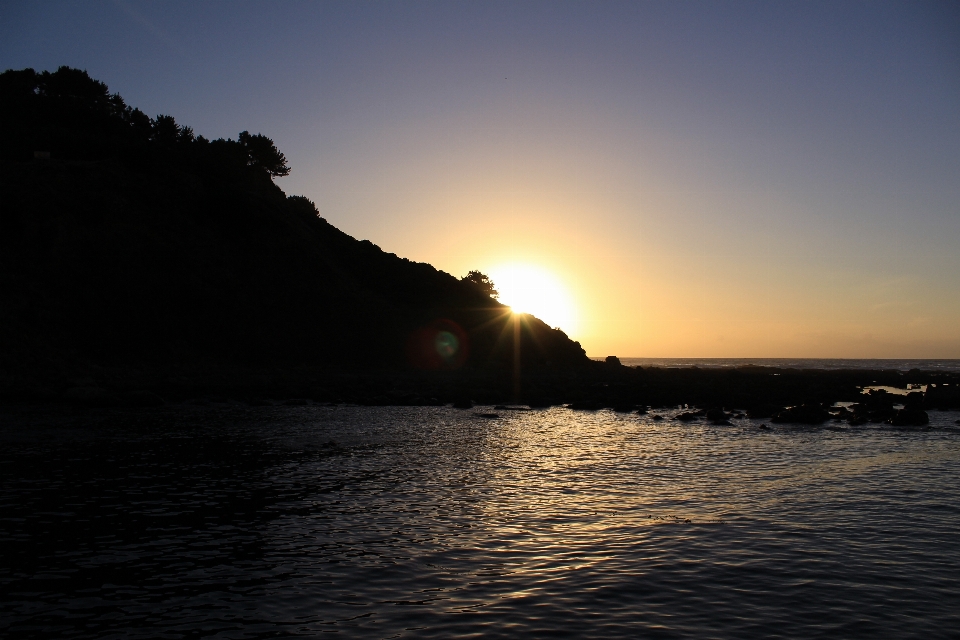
(613, 361)
(585, 405)
(689, 416)
(763, 411)
(420, 401)
(841, 413)
(541, 403)
(804, 414)
(764, 427)
(41, 395)
(718, 416)
(463, 404)
(143, 399)
(623, 408)
(943, 396)
(909, 418)
(881, 415)
(90, 397)
(913, 400)
(876, 406)
(658, 418)
(296, 402)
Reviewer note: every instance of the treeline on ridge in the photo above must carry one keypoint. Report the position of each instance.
(131, 240)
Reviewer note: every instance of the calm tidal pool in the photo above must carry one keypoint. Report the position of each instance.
(240, 522)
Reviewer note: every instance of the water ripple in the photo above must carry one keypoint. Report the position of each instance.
(430, 522)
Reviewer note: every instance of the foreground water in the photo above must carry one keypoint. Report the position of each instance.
(432, 522)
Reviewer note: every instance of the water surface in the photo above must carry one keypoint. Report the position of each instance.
(897, 364)
(242, 522)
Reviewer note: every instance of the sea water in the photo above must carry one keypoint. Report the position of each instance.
(797, 363)
(240, 522)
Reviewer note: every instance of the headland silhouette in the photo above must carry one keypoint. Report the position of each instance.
(141, 262)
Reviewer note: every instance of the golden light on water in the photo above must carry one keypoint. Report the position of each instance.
(530, 289)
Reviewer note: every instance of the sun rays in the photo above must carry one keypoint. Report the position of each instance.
(530, 289)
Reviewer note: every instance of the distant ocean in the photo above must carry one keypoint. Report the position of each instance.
(797, 363)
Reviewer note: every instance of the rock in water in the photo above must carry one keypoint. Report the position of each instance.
(763, 411)
(803, 414)
(144, 399)
(719, 416)
(910, 418)
(89, 397)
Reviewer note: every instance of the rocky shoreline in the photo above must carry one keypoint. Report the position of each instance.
(713, 395)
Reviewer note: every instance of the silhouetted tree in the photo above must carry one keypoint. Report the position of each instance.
(482, 282)
(74, 83)
(263, 153)
(164, 130)
(304, 206)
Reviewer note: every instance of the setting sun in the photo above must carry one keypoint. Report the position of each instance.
(529, 289)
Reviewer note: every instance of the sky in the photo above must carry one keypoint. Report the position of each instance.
(697, 179)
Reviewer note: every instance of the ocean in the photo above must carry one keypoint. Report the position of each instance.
(229, 521)
(797, 363)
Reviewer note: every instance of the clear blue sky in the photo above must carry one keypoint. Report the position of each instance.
(705, 178)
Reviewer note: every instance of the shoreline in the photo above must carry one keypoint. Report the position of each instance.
(754, 390)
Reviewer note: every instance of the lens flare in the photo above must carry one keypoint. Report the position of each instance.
(446, 344)
(442, 344)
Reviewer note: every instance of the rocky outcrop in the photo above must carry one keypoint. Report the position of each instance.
(803, 414)
(909, 418)
(943, 396)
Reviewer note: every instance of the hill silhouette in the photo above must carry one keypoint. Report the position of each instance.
(130, 240)
(138, 258)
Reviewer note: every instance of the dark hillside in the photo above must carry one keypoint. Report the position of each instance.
(137, 259)
(128, 240)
